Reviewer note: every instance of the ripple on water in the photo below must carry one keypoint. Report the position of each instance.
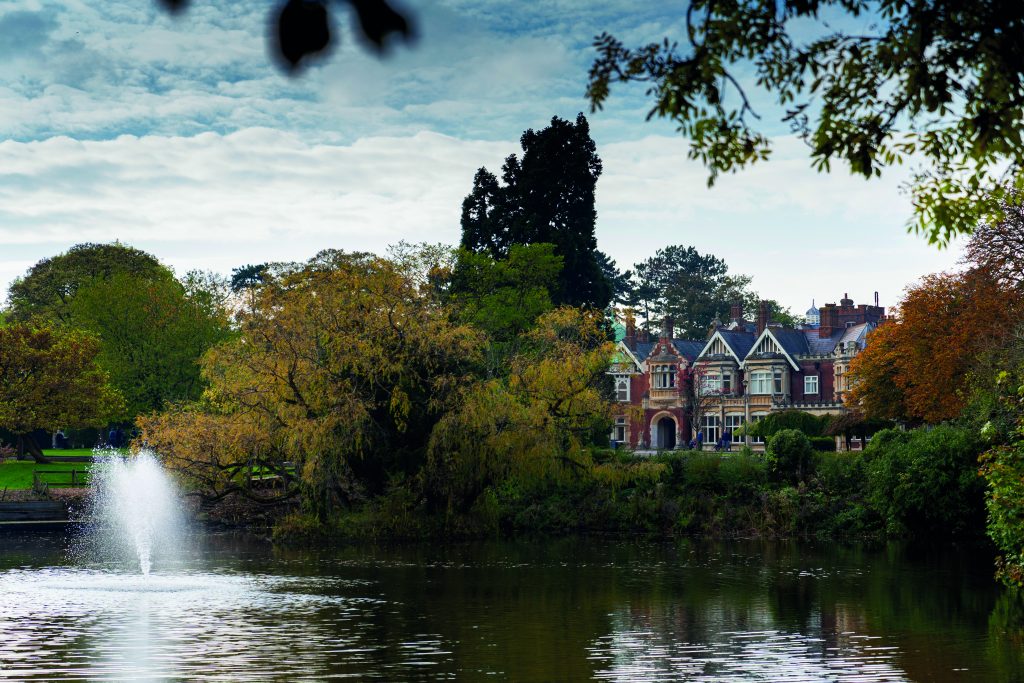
(776, 656)
(65, 623)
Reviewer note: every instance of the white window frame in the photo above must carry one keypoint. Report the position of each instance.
(711, 383)
(811, 385)
(754, 418)
(620, 427)
(761, 383)
(664, 377)
(726, 383)
(778, 385)
(711, 424)
(733, 423)
(620, 381)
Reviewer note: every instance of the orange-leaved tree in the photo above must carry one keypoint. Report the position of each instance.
(916, 367)
(49, 378)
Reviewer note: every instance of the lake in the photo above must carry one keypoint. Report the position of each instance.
(236, 608)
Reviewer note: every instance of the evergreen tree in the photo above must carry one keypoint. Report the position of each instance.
(547, 196)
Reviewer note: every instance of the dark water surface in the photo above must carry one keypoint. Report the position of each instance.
(530, 610)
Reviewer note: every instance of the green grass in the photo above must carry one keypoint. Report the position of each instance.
(18, 475)
(79, 451)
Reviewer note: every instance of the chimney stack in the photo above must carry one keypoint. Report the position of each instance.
(736, 312)
(630, 329)
(762, 316)
(667, 327)
(829, 315)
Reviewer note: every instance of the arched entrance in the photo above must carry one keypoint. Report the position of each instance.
(666, 433)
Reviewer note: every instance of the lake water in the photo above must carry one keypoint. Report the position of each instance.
(530, 610)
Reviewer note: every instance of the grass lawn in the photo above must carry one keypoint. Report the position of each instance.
(70, 451)
(18, 474)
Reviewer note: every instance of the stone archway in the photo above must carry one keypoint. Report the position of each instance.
(664, 430)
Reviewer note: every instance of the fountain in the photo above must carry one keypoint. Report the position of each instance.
(136, 510)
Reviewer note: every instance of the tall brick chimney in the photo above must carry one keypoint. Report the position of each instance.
(630, 329)
(762, 316)
(736, 312)
(829, 320)
(667, 327)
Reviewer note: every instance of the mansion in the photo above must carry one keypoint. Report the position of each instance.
(740, 373)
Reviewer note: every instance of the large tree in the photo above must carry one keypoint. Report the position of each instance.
(546, 196)
(50, 286)
(153, 333)
(505, 296)
(917, 366)
(343, 366)
(936, 83)
(50, 378)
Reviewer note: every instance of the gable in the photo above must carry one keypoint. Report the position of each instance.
(717, 345)
(624, 360)
(768, 343)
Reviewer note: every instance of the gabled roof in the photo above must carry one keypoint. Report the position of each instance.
(820, 346)
(623, 350)
(856, 333)
(791, 342)
(739, 343)
(642, 349)
(688, 348)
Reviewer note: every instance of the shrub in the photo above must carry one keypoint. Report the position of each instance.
(823, 444)
(925, 482)
(742, 473)
(789, 454)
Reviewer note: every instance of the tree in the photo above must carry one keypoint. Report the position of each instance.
(504, 297)
(247, 276)
(917, 367)
(547, 197)
(997, 248)
(152, 334)
(534, 424)
(1002, 467)
(789, 454)
(620, 281)
(698, 399)
(343, 366)
(49, 378)
(50, 286)
(934, 82)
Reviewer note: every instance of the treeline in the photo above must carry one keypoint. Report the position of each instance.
(953, 355)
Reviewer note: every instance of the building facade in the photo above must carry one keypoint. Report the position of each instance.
(671, 392)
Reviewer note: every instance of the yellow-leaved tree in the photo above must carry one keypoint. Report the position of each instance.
(536, 422)
(342, 367)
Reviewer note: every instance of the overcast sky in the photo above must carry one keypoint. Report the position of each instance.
(177, 135)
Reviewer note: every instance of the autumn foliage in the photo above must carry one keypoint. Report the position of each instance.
(917, 366)
(49, 378)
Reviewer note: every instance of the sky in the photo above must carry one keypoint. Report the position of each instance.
(178, 135)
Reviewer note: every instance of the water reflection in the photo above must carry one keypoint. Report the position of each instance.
(533, 610)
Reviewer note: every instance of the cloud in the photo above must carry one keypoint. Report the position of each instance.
(216, 201)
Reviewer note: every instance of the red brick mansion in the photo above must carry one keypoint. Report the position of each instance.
(740, 373)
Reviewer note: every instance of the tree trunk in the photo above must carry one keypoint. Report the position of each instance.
(28, 446)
